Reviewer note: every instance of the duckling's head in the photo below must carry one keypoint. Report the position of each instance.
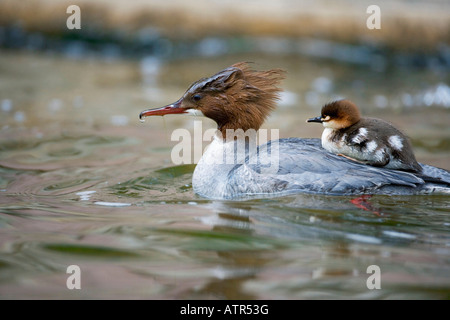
(338, 114)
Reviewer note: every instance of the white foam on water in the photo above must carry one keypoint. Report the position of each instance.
(85, 195)
(112, 204)
(402, 235)
(362, 238)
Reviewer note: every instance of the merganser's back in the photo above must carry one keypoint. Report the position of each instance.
(239, 99)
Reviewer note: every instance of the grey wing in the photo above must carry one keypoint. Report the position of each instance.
(304, 166)
(437, 174)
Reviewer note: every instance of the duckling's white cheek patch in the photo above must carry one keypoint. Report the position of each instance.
(396, 142)
(195, 112)
(329, 124)
(361, 136)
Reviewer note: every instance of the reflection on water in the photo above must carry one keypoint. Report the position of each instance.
(83, 182)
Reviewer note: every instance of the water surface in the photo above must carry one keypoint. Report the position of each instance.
(83, 182)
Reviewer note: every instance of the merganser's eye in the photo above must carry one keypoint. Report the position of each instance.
(196, 97)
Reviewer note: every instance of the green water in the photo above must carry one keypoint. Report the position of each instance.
(83, 182)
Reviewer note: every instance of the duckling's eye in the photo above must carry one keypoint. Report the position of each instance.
(196, 97)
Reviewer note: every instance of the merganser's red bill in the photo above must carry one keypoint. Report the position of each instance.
(173, 108)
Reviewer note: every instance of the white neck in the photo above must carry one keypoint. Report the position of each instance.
(221, 156)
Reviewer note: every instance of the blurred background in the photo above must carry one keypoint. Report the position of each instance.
(83, 181)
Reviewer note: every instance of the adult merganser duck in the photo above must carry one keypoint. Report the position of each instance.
(241, 98)
(367, 140)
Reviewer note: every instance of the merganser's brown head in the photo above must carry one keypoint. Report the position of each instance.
(338, 115)
(235, 98)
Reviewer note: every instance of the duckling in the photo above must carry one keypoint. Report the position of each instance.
(366, 140)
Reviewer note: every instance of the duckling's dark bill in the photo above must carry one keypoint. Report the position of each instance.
(316, 119)
(173, 108)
